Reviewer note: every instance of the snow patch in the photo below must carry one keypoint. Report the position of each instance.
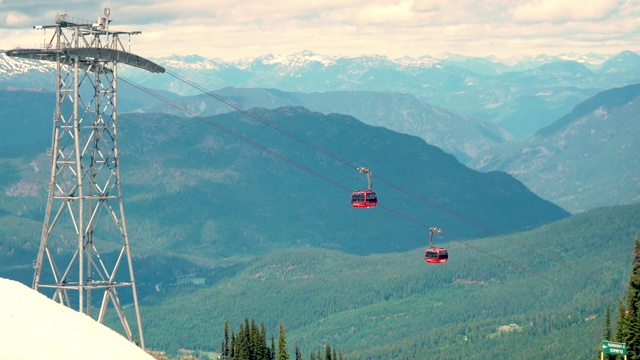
(601, 112)
(36, 327)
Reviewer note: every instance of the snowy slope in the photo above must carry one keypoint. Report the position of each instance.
(33, 326)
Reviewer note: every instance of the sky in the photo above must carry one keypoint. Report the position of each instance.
(32, 326)
(236, 29)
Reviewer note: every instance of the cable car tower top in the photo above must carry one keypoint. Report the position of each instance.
(83, 43)
(84, 211)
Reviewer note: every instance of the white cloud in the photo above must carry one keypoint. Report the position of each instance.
(231, 29)
(14, 19)
(385, 13)
(562, 10)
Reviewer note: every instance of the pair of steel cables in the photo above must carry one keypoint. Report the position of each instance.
(347, 163)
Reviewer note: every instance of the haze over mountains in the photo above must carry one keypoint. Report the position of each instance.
(522, 95)
(456, 133)
(586, 159)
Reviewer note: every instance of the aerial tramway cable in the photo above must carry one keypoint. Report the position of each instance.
(268, 123)
(331, 181)
(489, 229)
(409, 192)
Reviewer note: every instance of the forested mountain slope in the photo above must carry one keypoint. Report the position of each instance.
(188, 184)
(552, 283)
(586, 159)
(194, 193)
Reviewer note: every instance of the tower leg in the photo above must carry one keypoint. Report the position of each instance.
(85, 209)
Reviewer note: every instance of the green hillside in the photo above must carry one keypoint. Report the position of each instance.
(552, 282)
(190, 187)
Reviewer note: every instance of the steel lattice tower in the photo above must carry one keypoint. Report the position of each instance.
(84, 204)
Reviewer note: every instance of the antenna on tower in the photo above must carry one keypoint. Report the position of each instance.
(84, 212)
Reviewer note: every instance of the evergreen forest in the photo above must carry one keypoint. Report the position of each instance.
(528, 295)
(251, 343)
(627, 329)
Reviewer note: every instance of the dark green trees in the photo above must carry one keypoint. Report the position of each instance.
(251, 344)
(298, 352)
(283, 354)
(224, 349)
(628, 330)
(607, 334)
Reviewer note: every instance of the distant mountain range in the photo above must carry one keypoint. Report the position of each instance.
(456, 133)
(522, 95)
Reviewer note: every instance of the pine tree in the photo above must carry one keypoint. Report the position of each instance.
(242, 344)
(607, 324)
(224, 352)
(633, 306)
(247, 340)
(282, 343)
(622, 325)
(327, 352)
(607, 333)
(266, 353)
(298, 353)
(234, 343)
(257, 351)
(629, 320)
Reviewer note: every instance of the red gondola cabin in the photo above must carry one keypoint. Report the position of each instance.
(364, 199)
(435, 255)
